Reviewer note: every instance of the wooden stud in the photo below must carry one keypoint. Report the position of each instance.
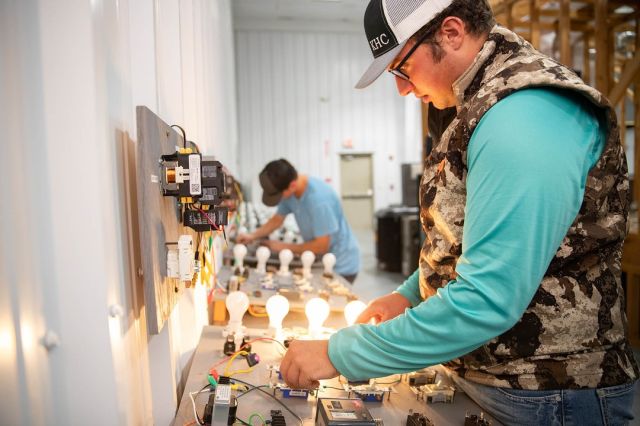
(534, 23)
(586, 58)
(566, 55)
(602, 46)
(636, 148)
(509, 16)
(628, 76)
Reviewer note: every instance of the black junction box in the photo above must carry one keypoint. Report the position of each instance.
(343, 412)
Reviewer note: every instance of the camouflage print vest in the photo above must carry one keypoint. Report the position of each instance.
(573, 333)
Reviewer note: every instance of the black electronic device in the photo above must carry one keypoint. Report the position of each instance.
(475, 420)
(252, 359)
(207, 417)
(277, 419)
(417, 419)
(246, 343)
(190, 175)
(343, 412)
(229, 345)
(202, 221)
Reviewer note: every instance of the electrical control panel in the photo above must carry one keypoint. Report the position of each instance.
(179, 194)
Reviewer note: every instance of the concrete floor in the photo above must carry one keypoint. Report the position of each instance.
(372, 283)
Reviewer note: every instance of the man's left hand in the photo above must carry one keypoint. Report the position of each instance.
(306, 362)
(275, 246)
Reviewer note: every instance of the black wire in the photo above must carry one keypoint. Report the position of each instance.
(331, 387)
(252, 389)
(184, 135)
(270, 396)
(242, 421)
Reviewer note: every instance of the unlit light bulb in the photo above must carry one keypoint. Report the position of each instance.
(353, 310)
(285, 257)
(317, 311)
(237, 303)
(262, 254)
(239, 252)
(307, 259)
(328, 260)
(277, 309)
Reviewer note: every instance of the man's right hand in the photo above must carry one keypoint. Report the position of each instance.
(384, 308)
(244, 238)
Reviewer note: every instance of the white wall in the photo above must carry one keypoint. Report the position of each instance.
(71, 74)
(296, 100)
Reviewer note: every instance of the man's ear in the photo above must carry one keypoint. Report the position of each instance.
(452, 32)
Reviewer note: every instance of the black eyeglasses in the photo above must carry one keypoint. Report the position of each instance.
(397, 71)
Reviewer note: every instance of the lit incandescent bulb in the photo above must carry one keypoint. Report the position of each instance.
(277, 309)
(239, 252)
(352, 310)
(307, 259)
(237, 303)
(328, 260)
(285, 257)
(262, 254)
(317, 311)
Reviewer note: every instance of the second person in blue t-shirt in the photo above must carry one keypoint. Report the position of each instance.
(318, 212)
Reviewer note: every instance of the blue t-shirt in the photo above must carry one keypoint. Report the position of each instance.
(528, 161)
(318, 213)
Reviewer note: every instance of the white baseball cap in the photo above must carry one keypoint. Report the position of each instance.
(388, 25)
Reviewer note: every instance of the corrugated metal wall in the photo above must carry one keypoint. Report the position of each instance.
(296, 100)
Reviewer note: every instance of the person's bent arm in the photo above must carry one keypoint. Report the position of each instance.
(272, 224)
(524, 190)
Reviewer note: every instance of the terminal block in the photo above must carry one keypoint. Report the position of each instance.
(436, 393)
(417, 419)
(475, 420)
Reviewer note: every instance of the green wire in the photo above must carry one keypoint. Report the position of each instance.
(256, 415)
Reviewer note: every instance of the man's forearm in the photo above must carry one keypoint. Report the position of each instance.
(318, 246)
(272, 224)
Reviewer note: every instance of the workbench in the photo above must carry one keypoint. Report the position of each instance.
(392, 410)
(258, 296)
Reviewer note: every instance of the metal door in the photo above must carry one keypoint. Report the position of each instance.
(356, 189)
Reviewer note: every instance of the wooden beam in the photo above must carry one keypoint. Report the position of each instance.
(566, 55)
(636, 131)
(602, 46)
(586, 58)
(628, 76)
(509, 14)
(534, 23)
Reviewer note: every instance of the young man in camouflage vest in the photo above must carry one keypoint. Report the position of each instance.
(524, 202)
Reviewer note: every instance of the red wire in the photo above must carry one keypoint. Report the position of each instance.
(208, 220)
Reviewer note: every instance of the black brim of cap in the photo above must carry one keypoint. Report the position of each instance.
(271, 200)
(378, 66)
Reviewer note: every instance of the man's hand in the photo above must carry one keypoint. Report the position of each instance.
(384, 308)
(274, 245)
(244, 238)
(306, 362)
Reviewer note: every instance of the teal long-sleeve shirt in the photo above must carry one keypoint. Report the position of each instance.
(528, 161)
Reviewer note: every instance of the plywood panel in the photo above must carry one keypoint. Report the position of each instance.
(158, 218)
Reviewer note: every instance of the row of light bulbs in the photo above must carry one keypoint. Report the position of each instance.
(316, 310)
(285, 256)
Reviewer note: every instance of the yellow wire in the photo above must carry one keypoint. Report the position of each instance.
(234, 356)
(248, 370)
(253, 313)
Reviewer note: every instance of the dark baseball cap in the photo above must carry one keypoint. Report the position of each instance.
(274, 179)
